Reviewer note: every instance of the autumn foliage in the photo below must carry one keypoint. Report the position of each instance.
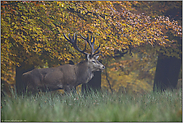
(32, 32)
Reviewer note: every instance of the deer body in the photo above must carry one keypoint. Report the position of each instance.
(65, 77)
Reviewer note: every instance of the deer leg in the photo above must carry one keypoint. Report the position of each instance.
(73, 91)
(70, 89)
(31, 86)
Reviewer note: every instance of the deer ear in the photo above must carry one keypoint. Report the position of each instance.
(97, 57)
(88, 56)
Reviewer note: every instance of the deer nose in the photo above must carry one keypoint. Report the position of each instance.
(103, 67)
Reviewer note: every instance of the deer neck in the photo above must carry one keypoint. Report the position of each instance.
(84, 72)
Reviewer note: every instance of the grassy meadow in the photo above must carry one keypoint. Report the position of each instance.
(100, 107)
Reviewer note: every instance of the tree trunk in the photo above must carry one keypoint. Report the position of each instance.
(94, 84)
(167, 72)
(20, 85)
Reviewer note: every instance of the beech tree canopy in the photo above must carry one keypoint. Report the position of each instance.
(32, 32)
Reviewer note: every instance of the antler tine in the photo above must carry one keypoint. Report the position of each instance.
(97, 48)
(91, 44)
(94, 50)
(74, 43)
(87, 39)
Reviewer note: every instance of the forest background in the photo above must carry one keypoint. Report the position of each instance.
(141, 42)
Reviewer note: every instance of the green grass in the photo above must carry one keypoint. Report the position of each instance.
(101, 107)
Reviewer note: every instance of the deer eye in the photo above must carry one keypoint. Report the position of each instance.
(93, 61)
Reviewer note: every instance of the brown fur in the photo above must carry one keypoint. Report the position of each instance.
(65, 77)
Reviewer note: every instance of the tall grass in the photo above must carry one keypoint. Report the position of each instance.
(166, 106)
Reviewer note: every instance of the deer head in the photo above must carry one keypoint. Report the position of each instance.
(92, 57)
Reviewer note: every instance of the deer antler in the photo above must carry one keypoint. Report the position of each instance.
(91, 44)
(74, 39)
(73, 42)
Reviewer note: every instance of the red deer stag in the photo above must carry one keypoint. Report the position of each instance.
(66, 76)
